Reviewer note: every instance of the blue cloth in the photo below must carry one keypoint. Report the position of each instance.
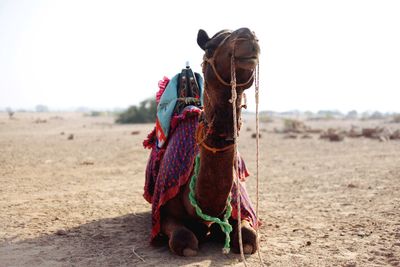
(166, 107)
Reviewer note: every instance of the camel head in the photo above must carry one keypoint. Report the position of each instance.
(242, 44)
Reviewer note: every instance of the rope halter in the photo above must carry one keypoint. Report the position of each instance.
(211, 61)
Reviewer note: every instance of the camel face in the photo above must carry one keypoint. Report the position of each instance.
(246, 49)
(242, 44)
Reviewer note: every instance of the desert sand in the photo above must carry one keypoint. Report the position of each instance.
(71, 195)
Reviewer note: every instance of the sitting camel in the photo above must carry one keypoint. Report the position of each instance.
(211, 137)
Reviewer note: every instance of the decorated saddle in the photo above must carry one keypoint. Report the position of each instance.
(174, 148)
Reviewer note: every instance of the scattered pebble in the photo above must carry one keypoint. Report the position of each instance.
(40, 121)
(383, 138)
(351, 185)
(350, 264)
(334, 137)
(364, 234)
(290, 136)
(61, 232)
(88, 161)
(70, 137)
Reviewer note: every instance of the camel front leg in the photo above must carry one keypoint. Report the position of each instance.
(182, 241)
(249, 238)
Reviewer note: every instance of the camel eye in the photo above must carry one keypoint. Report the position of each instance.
(210, 49)
(209, 53)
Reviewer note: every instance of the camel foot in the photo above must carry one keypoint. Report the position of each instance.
(249, 238)
(247, 249)
(183, 243)
(188, 252)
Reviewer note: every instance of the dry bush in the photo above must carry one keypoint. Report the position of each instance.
(266, 119)
(334, 135)
(396, 118)
(294, 126)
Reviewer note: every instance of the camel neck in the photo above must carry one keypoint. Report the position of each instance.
(215, 180)
(219, 119)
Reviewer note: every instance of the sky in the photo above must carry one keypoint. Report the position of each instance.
(315, 55)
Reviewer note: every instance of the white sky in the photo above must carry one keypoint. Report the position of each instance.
(342, 54)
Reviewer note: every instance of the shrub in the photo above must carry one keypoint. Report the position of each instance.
(41, 108)
(145, 112)
(95, 113)
(294, 126)
(10, 113)
(396, 118)
(266, 119)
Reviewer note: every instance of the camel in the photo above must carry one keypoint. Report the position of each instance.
(175, 217)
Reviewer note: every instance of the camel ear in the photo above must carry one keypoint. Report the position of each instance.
(202, 39)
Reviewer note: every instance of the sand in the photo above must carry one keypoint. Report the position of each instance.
(77, 200)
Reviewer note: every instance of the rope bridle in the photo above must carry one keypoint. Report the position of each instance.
(200, 134)
(211, 61)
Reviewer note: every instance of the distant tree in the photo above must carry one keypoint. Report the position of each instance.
(353, 114)
(365, 115)
(41, 108)
(396, 118)
(145, 112)
(83, 109)
(10, 113)
(309, 114)
(329, 114)
(376, 116)
(96, 113)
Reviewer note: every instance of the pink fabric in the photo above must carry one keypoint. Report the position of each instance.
(162, 84)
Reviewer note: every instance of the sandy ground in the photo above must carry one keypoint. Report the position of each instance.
(79, 202)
